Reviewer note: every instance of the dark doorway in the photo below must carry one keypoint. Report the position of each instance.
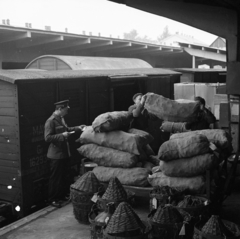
(14, 65)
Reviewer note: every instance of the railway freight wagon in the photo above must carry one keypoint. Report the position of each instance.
(27, 99)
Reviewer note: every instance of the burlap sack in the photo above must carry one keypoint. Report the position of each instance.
(173, 127)
(192, 184)
(171, 110)
(148, 137)
(184, 147)
(108, 157)
(116, 120)
(118, 139)
(219, 137)
(127, 176)
(189, 167)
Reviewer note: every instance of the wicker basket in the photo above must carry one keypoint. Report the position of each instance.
(165, 222)
(165, 231)
(115, 193)
(124, 236)
(82, 204)
(160, 196)
(232, 229)
(96, 227)
(81, 193)
(194, 205)
(103, 202)
(124, 223)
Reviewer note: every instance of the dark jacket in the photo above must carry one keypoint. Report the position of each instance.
(53, 129)
(140, 117)
(204, 119)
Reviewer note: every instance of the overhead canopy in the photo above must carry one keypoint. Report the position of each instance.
(216, 16)
(29, 39)
(17, 76)
(219, 17)
(206, 54)
(193, 70)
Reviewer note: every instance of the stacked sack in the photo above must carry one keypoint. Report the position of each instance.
(172, 110)
(184, 159)
(174, 113)
(118, 153)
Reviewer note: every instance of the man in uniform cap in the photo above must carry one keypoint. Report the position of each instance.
(56, 132)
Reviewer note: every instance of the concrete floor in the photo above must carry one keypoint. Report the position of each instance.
(57, 224)
(61, 224)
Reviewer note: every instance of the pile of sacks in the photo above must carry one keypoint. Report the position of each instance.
(174, 113)
(185, 157)
(118, 153)
(172, 110)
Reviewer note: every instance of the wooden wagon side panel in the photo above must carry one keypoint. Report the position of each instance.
(10, 181)
(36, 104)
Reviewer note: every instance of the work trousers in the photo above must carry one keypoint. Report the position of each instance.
(58, 181)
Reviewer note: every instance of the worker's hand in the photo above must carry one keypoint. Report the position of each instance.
(143, 99)
(66, 134)
(202, 107)
(82, 127)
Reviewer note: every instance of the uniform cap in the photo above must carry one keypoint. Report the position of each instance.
(136, 95)
(63, 103)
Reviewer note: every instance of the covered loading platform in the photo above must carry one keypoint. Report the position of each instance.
(27, 100)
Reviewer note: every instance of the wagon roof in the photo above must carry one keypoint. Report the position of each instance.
(95, 63)
(16, 76)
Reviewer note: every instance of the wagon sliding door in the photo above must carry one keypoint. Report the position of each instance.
(35, 107)
(87, 99)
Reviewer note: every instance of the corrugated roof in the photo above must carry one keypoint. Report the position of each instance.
(97, 63)
(15, 76)
(184, 39)
(192, 70)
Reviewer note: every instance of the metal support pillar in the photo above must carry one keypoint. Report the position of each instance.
(193, 62)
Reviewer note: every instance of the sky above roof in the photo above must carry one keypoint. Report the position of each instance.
(95, 16)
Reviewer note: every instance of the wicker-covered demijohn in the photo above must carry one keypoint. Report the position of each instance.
(115, 193)
(98, 220)
(166, 222)
(160, 196)
(194, 205)
(215, 228)
(124, 223)
(81, 193)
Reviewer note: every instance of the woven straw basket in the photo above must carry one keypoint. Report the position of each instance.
(81, 193)
(96, 227)
(124, 223)
(166, 223)
(115, 193)
(160, 196)
(211, 230)
(194, 205)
